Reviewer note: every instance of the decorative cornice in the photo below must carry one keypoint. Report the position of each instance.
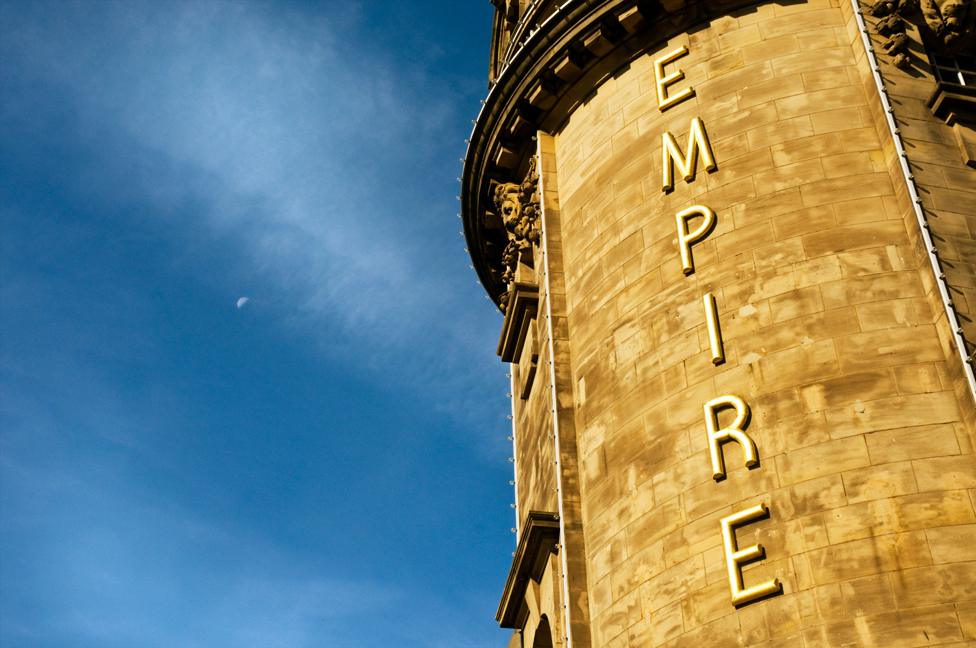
(954, 103)
(512, 23)
(522, 304)
(540, 537)
(948, 27)
(546, 74)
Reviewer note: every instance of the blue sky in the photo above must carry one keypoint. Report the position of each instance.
(324, 466)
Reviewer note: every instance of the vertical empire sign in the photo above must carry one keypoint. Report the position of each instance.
(694, 225)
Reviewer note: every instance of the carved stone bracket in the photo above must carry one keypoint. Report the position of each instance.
(956, 105)
(557, 54)
(947, 26)
(539, 538)
(522, 306)
(510, 11)
(518, 206)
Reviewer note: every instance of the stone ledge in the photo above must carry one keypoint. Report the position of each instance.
(540, 537)
(521, 310)
(951, 103)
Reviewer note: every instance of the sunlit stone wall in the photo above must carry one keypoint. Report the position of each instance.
(820, 313)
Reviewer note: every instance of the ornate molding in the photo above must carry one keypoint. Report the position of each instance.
(539, 538)
(954, 104)
(562, 52)
(510, 12)
(948, 27)
(518, 207)
(559, 52)
(514, 19)
(522, 305)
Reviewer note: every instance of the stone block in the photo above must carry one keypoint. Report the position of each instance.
(888, 347)
(952, 544)
(822, 459)
(873, 555)
(879, 482)
(899, 514)
(902, 411)
(854, 237)
(902, 444)
(901, 628)
(868, 595)
(934, 585)
(943, 473)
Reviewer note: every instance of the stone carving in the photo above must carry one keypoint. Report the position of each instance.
(518, 206)
(951, 22)
(947, 26)
(509, 10)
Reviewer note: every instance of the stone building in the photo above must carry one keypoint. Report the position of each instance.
(735, 248)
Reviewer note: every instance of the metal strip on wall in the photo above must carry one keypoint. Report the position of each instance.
(930, 249)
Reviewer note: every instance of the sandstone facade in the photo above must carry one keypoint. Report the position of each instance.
(829, 323)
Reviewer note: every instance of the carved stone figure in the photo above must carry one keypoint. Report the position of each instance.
(947, 26)
(951, 23)
(518, 206)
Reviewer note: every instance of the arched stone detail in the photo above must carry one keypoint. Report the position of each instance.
(556, 55)
(543, 634)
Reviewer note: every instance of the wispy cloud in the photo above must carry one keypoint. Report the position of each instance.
(277, 157)
(131, 572)
(113, 538)
(326, 166)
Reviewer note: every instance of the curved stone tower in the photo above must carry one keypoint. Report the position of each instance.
(735, 248)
